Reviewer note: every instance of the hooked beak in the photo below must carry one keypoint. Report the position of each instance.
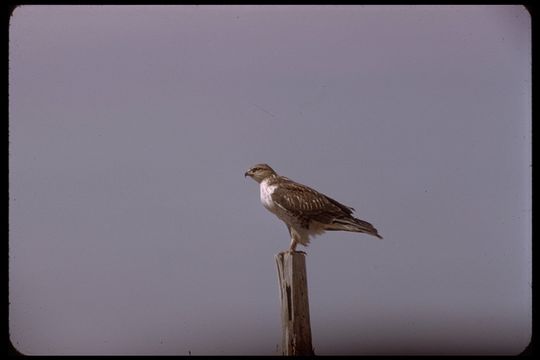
(246, 174)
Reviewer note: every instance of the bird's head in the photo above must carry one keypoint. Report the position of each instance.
(260, 172)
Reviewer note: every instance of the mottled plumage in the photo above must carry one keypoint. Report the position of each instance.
(305, 211)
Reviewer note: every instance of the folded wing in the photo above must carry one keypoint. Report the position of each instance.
(307, 205)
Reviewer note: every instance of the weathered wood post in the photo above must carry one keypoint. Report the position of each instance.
(296, 328)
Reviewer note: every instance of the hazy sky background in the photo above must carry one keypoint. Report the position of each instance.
(133, 230)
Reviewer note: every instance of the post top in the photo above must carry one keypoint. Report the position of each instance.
(290, 253)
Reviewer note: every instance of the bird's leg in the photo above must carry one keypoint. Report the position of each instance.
(292, 248)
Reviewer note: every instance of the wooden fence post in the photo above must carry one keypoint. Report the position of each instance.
(296, 328)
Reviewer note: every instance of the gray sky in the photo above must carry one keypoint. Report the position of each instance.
(133, 230)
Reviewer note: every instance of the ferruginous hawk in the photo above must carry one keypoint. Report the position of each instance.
(305, 211)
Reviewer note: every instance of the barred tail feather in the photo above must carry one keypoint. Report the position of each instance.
(353, 224)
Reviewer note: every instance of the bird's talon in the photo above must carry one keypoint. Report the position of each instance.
(297, 252)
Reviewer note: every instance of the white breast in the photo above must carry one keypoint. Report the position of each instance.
(266, 195)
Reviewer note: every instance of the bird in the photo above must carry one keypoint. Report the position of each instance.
(304, 210)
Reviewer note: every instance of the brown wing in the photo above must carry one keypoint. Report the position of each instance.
(308, 204)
